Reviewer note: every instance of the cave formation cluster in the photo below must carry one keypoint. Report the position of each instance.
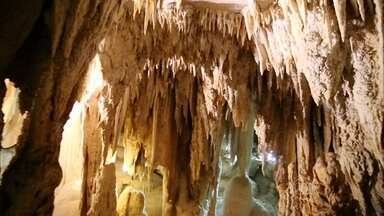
(178, 81)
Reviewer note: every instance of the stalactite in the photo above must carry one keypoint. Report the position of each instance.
(13, 118)
(340, 9)
(71, 161)
(13, 121)
(305, 76)
(299, 49)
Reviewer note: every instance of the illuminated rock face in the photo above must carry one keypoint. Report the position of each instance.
(184, 79)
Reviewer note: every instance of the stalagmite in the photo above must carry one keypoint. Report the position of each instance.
(238, 187)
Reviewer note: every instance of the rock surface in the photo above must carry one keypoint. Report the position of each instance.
(306, 77)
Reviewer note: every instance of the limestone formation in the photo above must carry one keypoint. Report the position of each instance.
(189, 107)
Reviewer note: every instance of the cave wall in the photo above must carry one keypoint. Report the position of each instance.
(311, 73)
(29, 182)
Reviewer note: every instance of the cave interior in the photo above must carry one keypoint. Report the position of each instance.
(192, 107)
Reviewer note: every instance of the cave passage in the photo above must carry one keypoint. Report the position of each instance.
(190, 107)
